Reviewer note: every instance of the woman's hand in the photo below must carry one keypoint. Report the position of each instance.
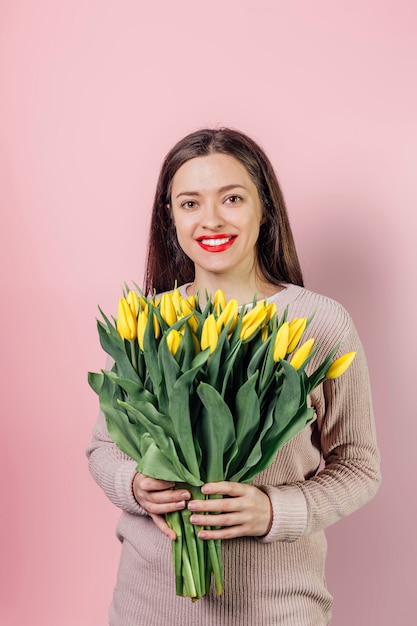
(244, 511)
(158, 497)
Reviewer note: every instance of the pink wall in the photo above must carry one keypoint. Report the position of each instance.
(93, 95)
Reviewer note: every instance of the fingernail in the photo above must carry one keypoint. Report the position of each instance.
(202, 534)
(181, 505)
(192, 506)
(186, 495)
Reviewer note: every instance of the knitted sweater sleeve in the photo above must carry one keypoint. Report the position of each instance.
(351, 475)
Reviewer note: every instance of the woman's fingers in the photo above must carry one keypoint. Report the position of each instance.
(158, 497)
(244, 511)
(160, 522)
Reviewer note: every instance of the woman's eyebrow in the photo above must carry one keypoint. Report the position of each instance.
(221, 190)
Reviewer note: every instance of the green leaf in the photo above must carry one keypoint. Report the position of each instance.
(161, 439)
(135, 390)
(150, 352)
(296, 425)
(168, 366)
(156, 465)
(247, 423)
(289, 398)
(120, 429)
(250, 467)
(216, 359)
(188, 349)
(217, 432)
(181, 397)
(227, 367)
(95, 381)
(258, 358)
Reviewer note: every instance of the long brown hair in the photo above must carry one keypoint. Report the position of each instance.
(277, 257)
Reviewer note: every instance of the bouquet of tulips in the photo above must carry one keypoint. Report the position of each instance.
(203, 394)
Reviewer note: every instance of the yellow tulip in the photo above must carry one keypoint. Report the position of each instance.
(301, 354)
(230, 313)
(142, 321)
(253, 320)
(264, 333)
(126, 321)
(219, 301)
(196, 343)
(173, 341)
(281, 342)
(187, 309)
(133, 302)
(156, 327)
(296, 327)
(167, 309)
(209, 336)
(192, 301)
(340, 366)
(271, 308)
(176, 300)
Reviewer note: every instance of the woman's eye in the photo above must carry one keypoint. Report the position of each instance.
(188, 204)
(233, 199)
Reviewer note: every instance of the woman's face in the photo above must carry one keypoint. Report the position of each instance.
(217, 215)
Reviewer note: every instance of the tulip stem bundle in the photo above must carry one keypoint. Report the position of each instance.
(204, 394)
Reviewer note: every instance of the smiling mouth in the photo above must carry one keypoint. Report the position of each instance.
(216, 244)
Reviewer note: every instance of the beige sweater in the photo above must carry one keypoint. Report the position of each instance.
(280, 579)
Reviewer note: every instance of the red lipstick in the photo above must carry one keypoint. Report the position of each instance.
(209, 242)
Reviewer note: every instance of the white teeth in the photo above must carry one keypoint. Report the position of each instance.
(215, 242)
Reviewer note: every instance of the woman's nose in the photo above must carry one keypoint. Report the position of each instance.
(212, 216)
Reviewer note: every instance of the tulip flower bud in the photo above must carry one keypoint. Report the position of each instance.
(253, 320)
(167, 309)
(126, 322)
(209, 336)
(296, 328)
(142, 321)
(133, 301)
(197, 346)
(271, 308)
(281, 342)
(264, 333)
(301, 354)
(176, 300)
(230, 314)
(186, 309)
(192, 301)
(156, 327)
(219, 302)
(173, 341)
(340, 366)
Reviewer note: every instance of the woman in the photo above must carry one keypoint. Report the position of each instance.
(219, 221)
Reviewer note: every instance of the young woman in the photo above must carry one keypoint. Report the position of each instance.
(219, 221)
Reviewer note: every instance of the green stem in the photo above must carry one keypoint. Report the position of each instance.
(187, 574)
(174, 522)
(133, 354)
(214, 549)
(192, 552)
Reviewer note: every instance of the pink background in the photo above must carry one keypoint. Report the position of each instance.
(93, 94)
